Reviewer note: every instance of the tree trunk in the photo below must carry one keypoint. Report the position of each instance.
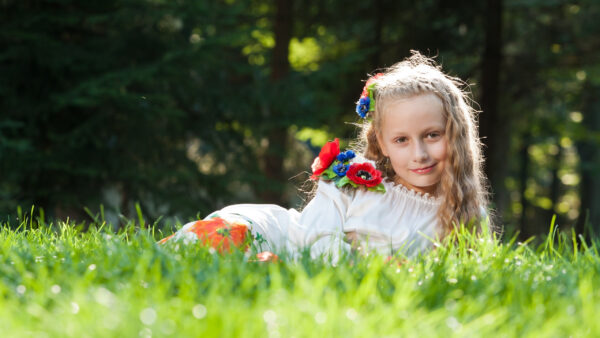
(555, 185)
(589, 214)
(280, 65)
(490, 78)
(377, 38)
(523, 175)
(277, 136)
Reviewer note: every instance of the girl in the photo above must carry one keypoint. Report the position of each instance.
(418, 176)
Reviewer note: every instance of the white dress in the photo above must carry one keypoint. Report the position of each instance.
(338, 220)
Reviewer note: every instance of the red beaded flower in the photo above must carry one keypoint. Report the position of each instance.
(364, 174)
(339, 168)
(328, 154)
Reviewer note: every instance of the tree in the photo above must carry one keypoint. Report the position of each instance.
(110, 96)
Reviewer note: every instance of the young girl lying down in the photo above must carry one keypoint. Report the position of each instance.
(415, 174)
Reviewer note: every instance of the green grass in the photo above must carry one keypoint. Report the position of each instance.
(60, 281)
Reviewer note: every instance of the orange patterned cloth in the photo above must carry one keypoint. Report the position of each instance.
(221, 235)
(216, 232)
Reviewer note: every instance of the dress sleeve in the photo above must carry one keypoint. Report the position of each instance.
(323, 221)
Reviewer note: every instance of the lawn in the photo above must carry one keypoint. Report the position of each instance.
(84, 280)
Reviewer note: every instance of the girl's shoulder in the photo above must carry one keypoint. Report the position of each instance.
(346, 169)
(391, 196)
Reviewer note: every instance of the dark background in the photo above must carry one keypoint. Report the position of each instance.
(186, 106)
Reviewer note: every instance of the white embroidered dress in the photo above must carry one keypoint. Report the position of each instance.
(399, 219)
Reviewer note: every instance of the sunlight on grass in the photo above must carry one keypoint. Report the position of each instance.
(64, 279)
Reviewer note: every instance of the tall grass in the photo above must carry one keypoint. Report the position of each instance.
(63, 279)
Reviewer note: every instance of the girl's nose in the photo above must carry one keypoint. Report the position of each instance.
(421, 154)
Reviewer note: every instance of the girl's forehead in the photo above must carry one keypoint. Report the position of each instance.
(426, 107)
(427, 98)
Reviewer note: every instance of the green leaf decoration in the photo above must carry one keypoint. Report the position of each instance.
(346, 181)
(377, 188)
(325, 177)
(329, 173)
(371, 97)
(343, 181)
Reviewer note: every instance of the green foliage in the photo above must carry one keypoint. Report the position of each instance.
(171, 103)
(92, 98)
(112, 95)
(58, 280)
(548, 68)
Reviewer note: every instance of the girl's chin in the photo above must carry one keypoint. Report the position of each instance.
(421, 186)
(429, 189)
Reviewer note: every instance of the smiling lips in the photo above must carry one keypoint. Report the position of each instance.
(424, 170)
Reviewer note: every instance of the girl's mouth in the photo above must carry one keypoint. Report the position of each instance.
(424, 170)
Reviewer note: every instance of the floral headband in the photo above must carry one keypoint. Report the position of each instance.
(366, 103)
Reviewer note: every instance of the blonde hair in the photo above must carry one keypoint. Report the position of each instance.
(463, 187)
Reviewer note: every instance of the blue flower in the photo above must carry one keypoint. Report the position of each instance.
(362, 108)
(340, 169)
(345, 156)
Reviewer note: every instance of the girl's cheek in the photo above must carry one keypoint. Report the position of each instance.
(439, 149)
(402, 156)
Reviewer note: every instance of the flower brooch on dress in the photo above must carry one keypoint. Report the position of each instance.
(336, 166)
(366, 103)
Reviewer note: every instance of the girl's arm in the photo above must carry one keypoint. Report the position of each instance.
(323, 221)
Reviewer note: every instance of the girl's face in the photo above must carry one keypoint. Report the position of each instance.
(412, 136)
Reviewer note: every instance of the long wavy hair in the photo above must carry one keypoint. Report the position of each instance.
(463, 186)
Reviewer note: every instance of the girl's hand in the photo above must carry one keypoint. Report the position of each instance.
(391, 260)
(265, 256)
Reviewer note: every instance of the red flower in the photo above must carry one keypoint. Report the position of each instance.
(365, 92)
(364, 174)
(327, 155)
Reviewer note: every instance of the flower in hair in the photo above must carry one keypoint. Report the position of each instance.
(362, 108)
(366, 103)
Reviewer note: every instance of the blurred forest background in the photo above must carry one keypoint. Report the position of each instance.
(186, 106)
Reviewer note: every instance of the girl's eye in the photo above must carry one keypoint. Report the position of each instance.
(401, 139)
(434, 135)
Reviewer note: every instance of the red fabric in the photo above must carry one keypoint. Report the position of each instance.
(219, 234)
(164, 240)
(222, 236)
